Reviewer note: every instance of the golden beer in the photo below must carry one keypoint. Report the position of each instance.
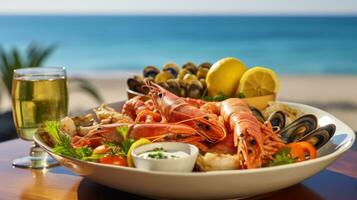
(36, 99)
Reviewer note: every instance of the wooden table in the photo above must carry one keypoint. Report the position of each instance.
(339, 181)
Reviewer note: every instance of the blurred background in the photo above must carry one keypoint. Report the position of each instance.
(312, 45)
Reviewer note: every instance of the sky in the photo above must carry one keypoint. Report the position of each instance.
(180, 7)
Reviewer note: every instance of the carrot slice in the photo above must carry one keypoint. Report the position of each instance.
(308, 148)
(298, 150)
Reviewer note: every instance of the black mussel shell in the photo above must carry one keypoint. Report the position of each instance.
(257, 114)
(320, 136)
(150, 71)
(202, 73)
(298, 128)
(277, 119)
(174, 86)
(172, 68)
(205, 65)
(135, 85)
(164, 85)
(190, 66)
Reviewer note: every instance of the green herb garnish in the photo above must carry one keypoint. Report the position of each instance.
(158, 149)
(283, 157)
(63, 144)
(157, 155)
(241, 95)
(125, 145)
(220, 97)
(123, 131)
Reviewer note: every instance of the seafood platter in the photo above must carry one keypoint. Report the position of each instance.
(211, 131)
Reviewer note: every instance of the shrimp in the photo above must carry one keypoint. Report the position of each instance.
(255, 142)
(248, 136)
(177, 110)
(141, 111)
(152, 131)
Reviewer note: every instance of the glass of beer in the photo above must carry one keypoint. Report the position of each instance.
(38, 95)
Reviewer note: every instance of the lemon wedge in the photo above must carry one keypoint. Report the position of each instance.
(224, 75)
(258, 81)
(136, 144)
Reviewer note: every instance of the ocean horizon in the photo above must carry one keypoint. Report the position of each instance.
(287, 44)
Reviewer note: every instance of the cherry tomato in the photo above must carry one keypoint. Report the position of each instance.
(299, 149)
(114, 160)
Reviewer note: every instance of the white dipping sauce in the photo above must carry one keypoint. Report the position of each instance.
(163, 155)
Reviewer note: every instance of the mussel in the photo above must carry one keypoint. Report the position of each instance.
(202, 73)
(164, 85)
(182, 73)
(257, 114)
(190, 66)
(203, 82)
(172, 68)
(188, 78)
(277, 119)
(194, 89)
(174, 86)
(135, 84)
(320, 136)
(163, 77)
(205, 65)
(150, 71)
(298, 128)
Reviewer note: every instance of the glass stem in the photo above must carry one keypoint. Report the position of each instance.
(37, 151)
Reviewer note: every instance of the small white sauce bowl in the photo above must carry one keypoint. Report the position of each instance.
(183, 164)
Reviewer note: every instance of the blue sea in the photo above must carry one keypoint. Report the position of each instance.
(289, 45)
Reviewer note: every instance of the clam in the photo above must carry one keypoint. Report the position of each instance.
(320, 136)
(194, 89)
(139, 78)
(205, 65)
(257, 114)
(172, 68)
(203, 82)
(150, 71)
(277, 119)
(188, 78)
(163, 77)
(134, 84)
(298, 128)
(190, 66)
(202, 73)
(174, 86)
(182, 73)
(182, 92)
(164, 85)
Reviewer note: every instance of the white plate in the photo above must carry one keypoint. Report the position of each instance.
(216, 184)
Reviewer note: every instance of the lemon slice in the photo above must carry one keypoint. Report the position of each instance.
(224, 75)
(258, 81)
(136, 144)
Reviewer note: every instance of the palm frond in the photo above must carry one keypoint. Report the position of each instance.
(6, 69)
(35, 56)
